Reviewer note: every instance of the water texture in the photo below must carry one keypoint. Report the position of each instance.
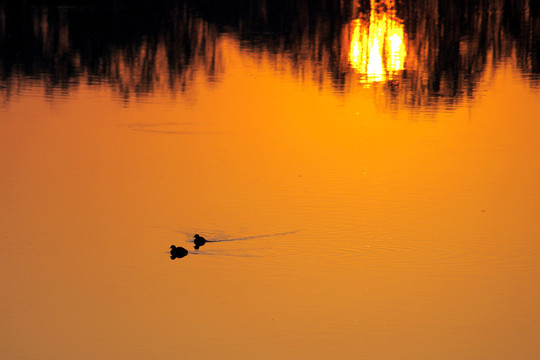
(365, 174)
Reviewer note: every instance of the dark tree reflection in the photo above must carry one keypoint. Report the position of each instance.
(135, 47)
(455, 42)
(139, 47)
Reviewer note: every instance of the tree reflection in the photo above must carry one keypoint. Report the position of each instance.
(452, 44)
(137, 48)
(420, 52)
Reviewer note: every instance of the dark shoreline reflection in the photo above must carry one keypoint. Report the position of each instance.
(140, 47)
(136, 48)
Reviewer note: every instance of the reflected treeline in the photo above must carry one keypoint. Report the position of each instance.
(451, 45)
(137, 47)
(420, 52)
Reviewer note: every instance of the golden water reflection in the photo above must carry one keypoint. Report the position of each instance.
(422, 54)
(406, 239)
(377, 46)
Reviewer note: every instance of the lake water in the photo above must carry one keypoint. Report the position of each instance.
(373, 167)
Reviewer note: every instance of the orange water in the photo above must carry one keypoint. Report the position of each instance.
(371, 232)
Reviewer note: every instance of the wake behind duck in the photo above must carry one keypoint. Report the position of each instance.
(180, 252)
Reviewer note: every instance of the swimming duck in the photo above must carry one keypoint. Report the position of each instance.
(199, 241)
(178, 252)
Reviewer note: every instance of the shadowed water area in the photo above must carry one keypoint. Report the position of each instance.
(364, 175)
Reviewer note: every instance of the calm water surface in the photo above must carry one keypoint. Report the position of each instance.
(374, 167)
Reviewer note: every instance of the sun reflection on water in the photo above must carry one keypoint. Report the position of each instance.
(377, 49)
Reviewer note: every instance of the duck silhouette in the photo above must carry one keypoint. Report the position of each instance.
(199, 241)
(178, 252)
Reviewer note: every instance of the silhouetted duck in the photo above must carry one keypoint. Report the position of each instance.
(178, 252)
(199, 241)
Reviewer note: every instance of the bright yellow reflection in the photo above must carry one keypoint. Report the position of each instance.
(377, 45)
